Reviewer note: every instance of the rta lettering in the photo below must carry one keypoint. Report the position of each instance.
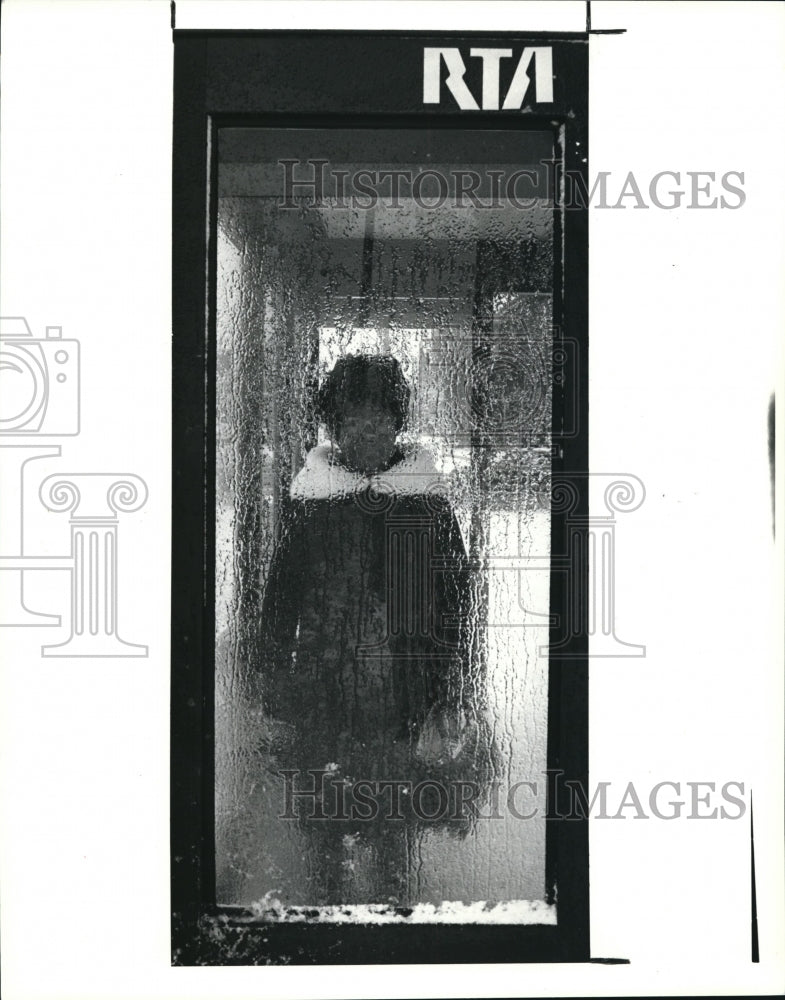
(490, 98)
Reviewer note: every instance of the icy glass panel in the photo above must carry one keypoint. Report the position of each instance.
(384, 357)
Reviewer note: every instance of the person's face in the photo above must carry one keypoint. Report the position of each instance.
(366, 436)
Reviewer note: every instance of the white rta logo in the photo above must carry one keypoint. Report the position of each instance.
(491, 61)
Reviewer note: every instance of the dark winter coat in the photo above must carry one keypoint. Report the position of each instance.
(365, 637)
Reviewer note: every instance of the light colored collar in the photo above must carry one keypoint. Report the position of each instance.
(323, 476)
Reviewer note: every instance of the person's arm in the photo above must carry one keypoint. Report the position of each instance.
(449, 730)
(453, 606)
(280, 614)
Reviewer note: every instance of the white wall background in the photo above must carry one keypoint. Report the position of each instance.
(686, 321)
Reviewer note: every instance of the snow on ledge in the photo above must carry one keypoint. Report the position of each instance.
(519, 911)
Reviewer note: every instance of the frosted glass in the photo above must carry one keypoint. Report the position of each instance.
(384, 624)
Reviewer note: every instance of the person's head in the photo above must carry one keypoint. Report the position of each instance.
(364, 402)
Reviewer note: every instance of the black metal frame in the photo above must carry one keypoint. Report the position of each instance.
(349, 78)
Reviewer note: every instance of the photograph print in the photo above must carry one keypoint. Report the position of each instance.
(389, 675)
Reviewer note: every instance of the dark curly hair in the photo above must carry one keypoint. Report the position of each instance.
(361, 379)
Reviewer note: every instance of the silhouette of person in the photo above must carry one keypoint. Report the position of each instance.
(366, 639)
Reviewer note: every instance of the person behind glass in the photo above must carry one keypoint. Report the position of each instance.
(366, 637)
